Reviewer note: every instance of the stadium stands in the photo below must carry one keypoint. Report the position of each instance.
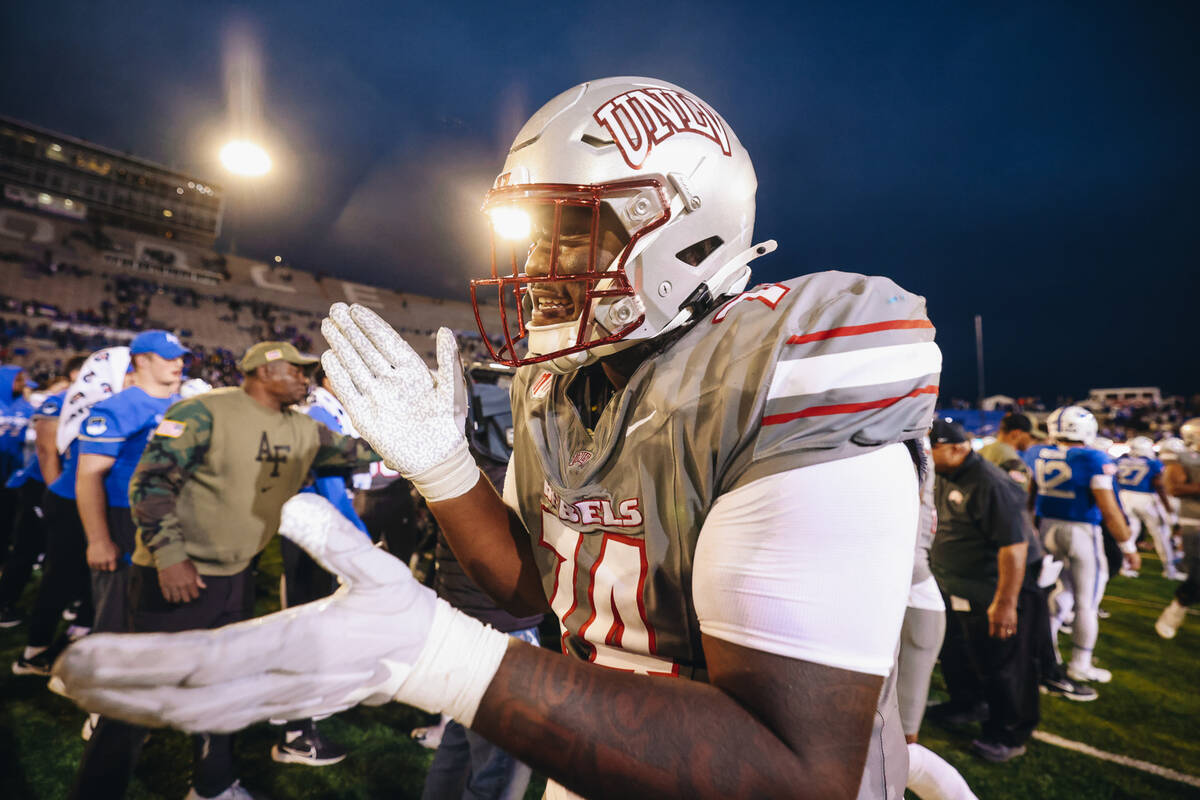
(68, 288)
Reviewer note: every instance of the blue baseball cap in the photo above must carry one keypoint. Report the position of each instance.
(161, 343)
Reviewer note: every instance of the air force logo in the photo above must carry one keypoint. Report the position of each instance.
(95, 426)
(642, 118)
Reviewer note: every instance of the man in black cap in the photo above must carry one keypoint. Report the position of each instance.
(979, 557)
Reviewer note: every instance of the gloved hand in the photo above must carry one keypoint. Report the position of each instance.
(411, 416)
(381, 636)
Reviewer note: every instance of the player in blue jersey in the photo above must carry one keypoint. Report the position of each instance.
(65, 576)
(29, 533)
(15, 412)
(111, 442)
(1074, 494)
(1143, 495)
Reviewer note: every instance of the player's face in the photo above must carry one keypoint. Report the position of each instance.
(18, 384)
(555, 301)
(166, 371)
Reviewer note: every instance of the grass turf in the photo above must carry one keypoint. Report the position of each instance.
(1149, 712)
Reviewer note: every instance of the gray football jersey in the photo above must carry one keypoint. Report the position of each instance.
(785, 375)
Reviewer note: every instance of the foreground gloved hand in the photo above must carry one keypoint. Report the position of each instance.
(412, 417)
(381, 636)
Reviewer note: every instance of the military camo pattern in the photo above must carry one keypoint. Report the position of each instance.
(215, 474)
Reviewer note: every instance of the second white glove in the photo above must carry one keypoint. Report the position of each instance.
(381, 636)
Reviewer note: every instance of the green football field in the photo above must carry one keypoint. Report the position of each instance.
(1150, 712)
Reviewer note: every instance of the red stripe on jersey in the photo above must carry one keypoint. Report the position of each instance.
(846, 408)
(855, 330)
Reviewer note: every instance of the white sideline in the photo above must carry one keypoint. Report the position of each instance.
(1125, 761)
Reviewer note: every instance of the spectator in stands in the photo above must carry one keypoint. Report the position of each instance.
(206, 497)
(15, 413)
(29, 539)
(979, 559)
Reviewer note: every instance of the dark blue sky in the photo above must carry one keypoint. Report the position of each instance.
(1034, 163)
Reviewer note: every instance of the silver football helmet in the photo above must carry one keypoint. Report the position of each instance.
(1072, 424)
(1190, 433)
(640, 158)
(1141, 446)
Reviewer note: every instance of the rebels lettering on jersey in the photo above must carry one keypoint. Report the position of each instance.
(594, 512)
(1137, 474)
(639, 119)
(835, 366)
(1065, 479)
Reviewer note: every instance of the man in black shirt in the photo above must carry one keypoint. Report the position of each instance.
(978, 558)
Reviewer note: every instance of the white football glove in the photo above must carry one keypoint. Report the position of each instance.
(411, 416)
(381, 636)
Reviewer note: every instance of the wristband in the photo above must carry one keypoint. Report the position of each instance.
(455, 476)
(1128, 546)
(455, 666)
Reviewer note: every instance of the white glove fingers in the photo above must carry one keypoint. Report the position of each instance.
(364, 348)
(315, 524)
(350, 395)
(228, 707)
(188, 657)
(397, 351)
(364, 377)
(451, 385)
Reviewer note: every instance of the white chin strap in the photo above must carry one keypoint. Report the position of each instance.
(729, 279)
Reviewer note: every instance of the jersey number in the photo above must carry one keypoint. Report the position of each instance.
(1051, 475)
(617, 631)
(1131, 473)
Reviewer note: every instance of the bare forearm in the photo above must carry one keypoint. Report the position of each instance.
(89, 497)
(604, 733)
(1115, 521)
(1011, 563)
(47, 449)
(493, 548)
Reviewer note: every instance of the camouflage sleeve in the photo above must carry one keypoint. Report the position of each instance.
(177, 446)
(339, 450)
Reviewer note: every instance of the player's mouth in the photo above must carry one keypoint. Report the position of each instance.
(550, 308)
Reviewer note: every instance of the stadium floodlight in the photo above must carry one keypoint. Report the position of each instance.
(511, 223)
(243, 157)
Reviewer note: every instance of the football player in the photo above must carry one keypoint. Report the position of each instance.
(1182, 479)
(1074, 493)
(1145, 499)
(696, 467)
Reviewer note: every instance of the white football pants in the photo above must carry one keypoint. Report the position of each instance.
(1145, 509)
(1081, 549)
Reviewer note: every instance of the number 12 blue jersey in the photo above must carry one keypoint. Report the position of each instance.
(1065, 478)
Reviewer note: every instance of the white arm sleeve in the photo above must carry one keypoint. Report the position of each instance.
(815, 563)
